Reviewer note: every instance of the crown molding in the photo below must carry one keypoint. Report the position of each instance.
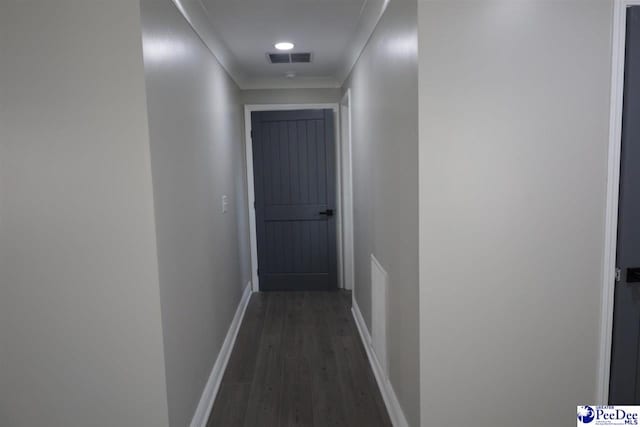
(197, 16)
(370, 15)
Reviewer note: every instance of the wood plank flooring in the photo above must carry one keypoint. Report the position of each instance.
(298, 361)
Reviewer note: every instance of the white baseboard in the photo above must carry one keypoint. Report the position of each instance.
(205, 405)
(386, 389)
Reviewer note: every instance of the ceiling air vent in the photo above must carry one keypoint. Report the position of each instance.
(289, 58)
(300, 58)
(279, 58)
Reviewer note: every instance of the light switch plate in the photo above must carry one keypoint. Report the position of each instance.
(225, 204)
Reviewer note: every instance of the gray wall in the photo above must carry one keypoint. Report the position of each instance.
(514, 114)
(291, 96)
(81, 334)
(385, 185)
(195, 122)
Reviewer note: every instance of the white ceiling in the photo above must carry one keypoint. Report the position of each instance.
(334, 31)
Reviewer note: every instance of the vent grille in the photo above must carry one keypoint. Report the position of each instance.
(289, 58)
(300, 57)
(279, 58)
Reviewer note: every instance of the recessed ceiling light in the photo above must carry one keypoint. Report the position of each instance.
(290, 75)
(284, 46)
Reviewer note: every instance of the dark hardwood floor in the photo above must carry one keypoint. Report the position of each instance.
(298, 361)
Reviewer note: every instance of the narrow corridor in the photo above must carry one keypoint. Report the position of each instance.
(298, 361)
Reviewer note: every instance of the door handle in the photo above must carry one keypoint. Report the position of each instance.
(328, 212)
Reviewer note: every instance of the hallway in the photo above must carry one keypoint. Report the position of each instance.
(298, 361)
(265, 213)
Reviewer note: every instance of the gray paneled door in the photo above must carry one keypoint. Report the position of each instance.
(624, 387)
(294, 174)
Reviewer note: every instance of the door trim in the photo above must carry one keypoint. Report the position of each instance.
(346, 191)
(248, 109)
(613, 184)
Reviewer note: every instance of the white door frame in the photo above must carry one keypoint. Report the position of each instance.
(348, 249)
(248, 109)
(613, 184)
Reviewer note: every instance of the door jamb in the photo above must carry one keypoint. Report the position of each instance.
(248, 109)
(613, 184)
(348, 249)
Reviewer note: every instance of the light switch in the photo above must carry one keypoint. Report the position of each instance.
(225, 204)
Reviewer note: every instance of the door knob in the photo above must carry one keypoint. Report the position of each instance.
(328, 212)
